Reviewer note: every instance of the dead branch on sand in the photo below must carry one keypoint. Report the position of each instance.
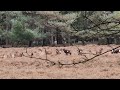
(46, 59)
(60, 64)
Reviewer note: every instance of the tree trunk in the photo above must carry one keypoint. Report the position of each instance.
(58, 36)
(83, 43)
(52, 41)
(30, 44)
(7, 41)
(69, 42)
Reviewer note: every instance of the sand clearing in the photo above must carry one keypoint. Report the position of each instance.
(14, 66)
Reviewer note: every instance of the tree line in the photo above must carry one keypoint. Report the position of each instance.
(41, 28)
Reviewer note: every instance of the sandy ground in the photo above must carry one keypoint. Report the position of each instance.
(106, 66)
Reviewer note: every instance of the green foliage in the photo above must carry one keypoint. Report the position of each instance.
(20, 34)
(25, 26)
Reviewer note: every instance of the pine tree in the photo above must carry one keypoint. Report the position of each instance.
(58, 25)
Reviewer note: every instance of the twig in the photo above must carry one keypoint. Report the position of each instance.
(45, 53)
(91, 58)
(53, 63)
(75, 63)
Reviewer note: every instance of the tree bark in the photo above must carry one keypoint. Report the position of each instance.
(30, 43)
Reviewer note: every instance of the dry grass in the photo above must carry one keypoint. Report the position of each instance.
(19, 67)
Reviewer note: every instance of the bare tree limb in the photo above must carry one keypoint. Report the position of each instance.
(53, 63)
(86, 59)
(92, 57)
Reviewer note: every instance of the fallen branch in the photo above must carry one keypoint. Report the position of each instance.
(91, 58)
(73, 63)
(45, 53)
(53, 63)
